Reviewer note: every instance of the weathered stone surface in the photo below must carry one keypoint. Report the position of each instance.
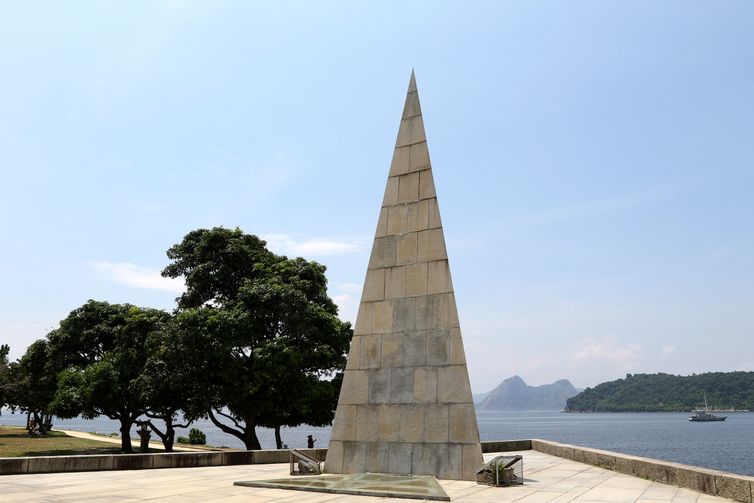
(405, 404)
(46, 464)
(9, 466)
(136, 461)
(735, 488)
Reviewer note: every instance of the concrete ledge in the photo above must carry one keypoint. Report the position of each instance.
(716, 483)
(506, 445)
(97, 462)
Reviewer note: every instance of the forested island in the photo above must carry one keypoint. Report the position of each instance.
(667, 393)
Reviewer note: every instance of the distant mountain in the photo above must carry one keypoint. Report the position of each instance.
(667, 392)
(479, 397)
(515, 394)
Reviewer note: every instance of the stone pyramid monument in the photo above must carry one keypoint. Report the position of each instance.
(405, 406)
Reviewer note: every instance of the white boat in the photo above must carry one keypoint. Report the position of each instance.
(705, 415)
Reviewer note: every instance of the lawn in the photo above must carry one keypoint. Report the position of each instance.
(17, 442)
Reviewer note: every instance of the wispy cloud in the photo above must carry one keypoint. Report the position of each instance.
(284, 243)
(138, 276)
(608, 349)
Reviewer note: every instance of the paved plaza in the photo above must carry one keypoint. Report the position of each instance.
(547, 479)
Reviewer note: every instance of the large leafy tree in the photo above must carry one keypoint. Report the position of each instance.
(173, 383)
(274, 341)
(102, 348)
(32, 382)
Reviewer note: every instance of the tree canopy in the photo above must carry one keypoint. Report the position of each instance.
(272, 331)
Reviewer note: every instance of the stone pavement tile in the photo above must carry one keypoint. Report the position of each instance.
(611, 495)
(570, 495)
(706, 498)
(540, 497)
(626, 482)
(660, 492)
(685, 496)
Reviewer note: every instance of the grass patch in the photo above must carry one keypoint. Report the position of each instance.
(16, 442)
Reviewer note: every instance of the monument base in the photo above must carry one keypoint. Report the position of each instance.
(424, 487)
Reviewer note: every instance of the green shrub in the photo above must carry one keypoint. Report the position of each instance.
(182, 440)
(197, 437)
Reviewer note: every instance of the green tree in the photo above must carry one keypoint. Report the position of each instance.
(4, 351)
(173, 382)
(32, 382)
(102, 348)
(270, 325)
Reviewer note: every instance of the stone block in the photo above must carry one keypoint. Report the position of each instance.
(355, 388)
(438, 277)
(417, 216)
(457, 354)
(395, 282)
(400, 163)
(606, 461)
(10, 466)
(374, 285)
(194, 459)
(453, 384)
(415, 349)
(733, 487)
(392, 350)
(438, 347)
(412, 423)
(391, 192)
(389, 422)
(401, 385)
(452, 468)
(472, 461)
(416, 279)
(354, 457)
(334, 458)
(406, 248)
(381, 224)
(379, 386)
(383, 252)
(354, 353)
(436, 423)
(408, 188)
(431, 246)
(428, 459)
(376, 457)
(434, 214)
(399, 457)
(411, 131)
(461, 424)
(133, 461)
(231, 458)
(344, 426)
(419, 157)
(425, 384)
(404, 314)
(367, 427)
(371, 346)
(426, 185)
(53, 464)
(397, 219)
(443, 309)
(590, 457)
(382, 317)
(364, 319)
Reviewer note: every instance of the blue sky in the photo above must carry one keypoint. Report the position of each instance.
(593, 161)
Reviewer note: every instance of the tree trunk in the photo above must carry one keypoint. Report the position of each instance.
(125, 435)
(278, 439)
(246, 433)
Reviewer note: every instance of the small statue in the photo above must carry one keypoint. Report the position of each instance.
(310, 441)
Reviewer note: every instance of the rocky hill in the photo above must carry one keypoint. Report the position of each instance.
(514, 394)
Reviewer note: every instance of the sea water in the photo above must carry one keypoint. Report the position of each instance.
(726, 445)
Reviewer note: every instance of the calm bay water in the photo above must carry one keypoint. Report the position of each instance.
(727, 445)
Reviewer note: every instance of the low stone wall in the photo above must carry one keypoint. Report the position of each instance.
(716, 483)
(97, 462)
(506, 445)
